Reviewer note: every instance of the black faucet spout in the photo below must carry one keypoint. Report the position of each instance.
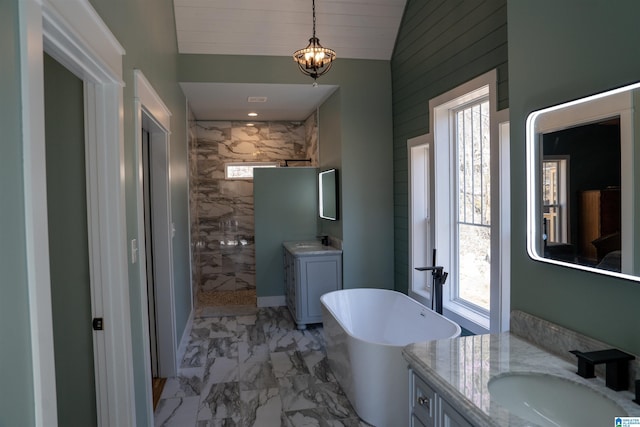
(617, 366)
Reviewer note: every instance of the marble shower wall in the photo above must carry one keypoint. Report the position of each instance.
(222, 210)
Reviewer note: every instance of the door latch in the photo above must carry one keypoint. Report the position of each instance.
(98, 323)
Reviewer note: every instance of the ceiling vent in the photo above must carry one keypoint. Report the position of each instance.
(257, 99)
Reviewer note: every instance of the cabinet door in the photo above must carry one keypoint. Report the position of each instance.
(320, 276)
(415, 422)
(450, 417)
(422, 402)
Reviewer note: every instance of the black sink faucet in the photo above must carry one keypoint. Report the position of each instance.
(617, 366)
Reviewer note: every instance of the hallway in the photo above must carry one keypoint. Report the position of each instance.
(251, 367)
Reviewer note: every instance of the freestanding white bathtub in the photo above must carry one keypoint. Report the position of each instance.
(365, 331)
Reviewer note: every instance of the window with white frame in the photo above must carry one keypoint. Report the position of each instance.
(244, 170)
(555, 193)
(468, 204)
(472, 232)
(421, 227)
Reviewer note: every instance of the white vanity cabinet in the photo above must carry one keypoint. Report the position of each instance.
(429, 409)
(310, 273)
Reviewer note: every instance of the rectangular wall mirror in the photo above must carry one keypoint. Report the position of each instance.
(328, 194)
(581, 206)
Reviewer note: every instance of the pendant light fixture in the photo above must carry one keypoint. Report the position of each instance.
(314, 60)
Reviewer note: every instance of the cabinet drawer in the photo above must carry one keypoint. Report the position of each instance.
(422, 401)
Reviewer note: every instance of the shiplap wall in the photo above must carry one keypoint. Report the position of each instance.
(441, 44)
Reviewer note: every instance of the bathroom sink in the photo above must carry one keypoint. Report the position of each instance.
(314, 246)
(308, 245)
(553, 401)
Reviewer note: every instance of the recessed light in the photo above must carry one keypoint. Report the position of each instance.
(252, 114)
(251, 124)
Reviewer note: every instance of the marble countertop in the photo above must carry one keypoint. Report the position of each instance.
(309, 248)
(459, 369)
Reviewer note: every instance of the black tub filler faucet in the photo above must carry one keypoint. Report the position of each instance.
(439, 276)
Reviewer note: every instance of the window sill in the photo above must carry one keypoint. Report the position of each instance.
(472, 320)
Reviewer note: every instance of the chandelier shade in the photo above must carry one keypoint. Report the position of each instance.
(314, 60)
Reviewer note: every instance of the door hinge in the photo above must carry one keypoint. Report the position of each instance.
(98, 323)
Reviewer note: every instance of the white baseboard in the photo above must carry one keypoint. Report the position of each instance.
(273, 301)
(184, 341)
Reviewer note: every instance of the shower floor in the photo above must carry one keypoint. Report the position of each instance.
(226, 298)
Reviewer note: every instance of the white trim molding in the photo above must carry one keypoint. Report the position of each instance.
(501, 296)
(150, 111)
(73, 34)
(272, 301)
(90, 50)
(37, 240)
(151, 101)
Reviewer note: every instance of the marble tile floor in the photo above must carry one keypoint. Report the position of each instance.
(254, 368)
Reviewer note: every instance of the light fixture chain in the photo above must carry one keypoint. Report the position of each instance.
(313, 7)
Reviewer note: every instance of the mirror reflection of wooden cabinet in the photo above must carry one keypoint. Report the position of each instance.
(599, 223)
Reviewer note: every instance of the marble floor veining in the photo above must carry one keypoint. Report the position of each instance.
(254, 369)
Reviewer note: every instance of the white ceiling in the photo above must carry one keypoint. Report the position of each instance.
(362, 29)
(230, 101)
(358, 29)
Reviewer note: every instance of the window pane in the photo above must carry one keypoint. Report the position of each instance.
(474, 201)
(552, 218)
(550, 182)
(245, 170)
(474, 264)
(474, 192)
(554, 200)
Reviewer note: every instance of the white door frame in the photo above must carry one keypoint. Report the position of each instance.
(149, 107)
(73, 33)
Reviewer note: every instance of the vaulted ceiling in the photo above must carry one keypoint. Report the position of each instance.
(357, 29)
(362, 29)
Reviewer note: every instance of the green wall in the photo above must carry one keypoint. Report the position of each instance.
(366, 177)
(68, 246)
(559, 51)
(329, 128)
(440, 45)
(146, 30)
(286, 209)
(16, 378)
(365, 152)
